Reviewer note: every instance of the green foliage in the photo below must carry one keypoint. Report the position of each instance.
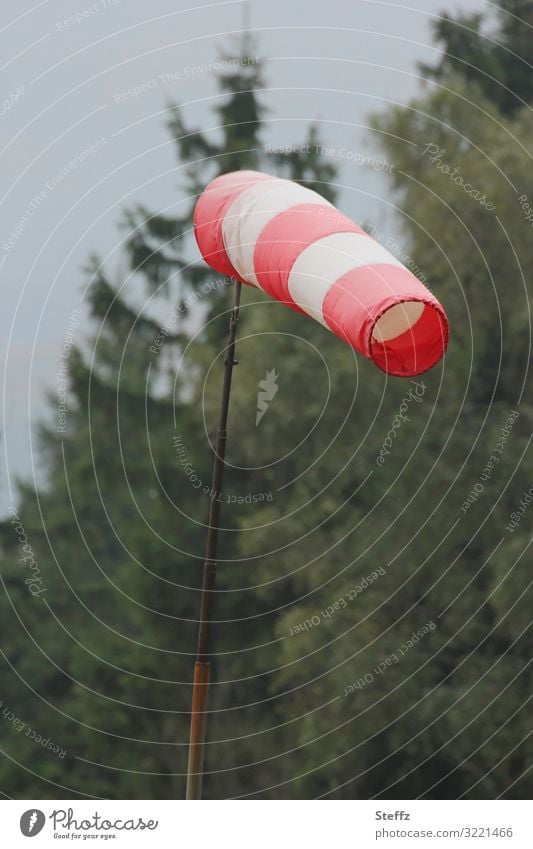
(498, 61)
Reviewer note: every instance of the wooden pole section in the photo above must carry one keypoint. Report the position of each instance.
(200, 692)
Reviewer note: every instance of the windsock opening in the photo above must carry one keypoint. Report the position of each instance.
(409, 338)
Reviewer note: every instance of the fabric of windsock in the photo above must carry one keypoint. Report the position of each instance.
(293, 244)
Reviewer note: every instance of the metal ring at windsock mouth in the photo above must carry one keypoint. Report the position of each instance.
(409, 337)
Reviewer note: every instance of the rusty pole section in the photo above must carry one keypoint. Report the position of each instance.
(200, 692)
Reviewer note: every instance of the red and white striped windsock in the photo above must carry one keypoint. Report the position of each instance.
(293, 244)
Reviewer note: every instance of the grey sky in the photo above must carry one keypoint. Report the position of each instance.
(67, 75)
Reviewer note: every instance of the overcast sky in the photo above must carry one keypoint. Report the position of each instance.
(80, 75)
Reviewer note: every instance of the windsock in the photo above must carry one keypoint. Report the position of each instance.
(293, 244)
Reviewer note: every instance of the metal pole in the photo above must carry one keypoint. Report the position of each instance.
(200, 691)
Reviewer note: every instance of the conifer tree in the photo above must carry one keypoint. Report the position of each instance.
(498, 59)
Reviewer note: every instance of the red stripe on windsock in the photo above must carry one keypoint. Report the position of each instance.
(286, 236)
(358, 300)
(209, 213)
